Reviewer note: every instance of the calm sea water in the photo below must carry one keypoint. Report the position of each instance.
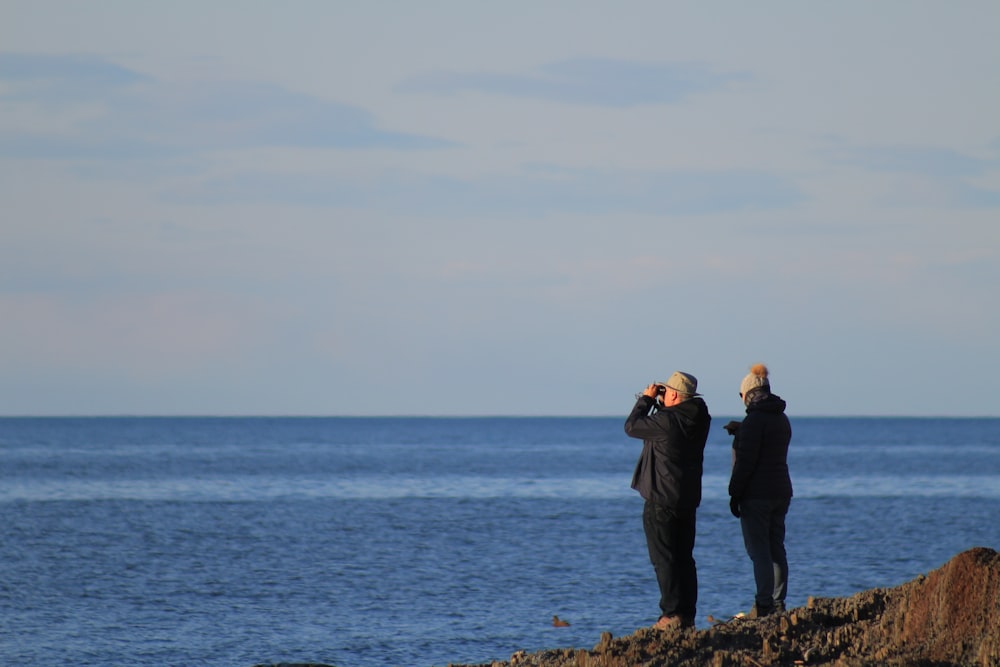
(422, 541)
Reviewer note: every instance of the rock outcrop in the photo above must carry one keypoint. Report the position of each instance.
(948, 617)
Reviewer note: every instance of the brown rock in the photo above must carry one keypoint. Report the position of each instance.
(949, 618)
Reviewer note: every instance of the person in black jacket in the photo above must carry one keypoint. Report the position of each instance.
(760, 487)
(674, 430)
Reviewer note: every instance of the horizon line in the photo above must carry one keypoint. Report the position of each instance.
(124, 415)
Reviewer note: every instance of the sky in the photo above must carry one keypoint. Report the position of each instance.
(241, 207)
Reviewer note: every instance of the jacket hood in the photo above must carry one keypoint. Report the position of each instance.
(691, 413)
(767, 403)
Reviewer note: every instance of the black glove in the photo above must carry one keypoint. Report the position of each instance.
(734, 507)
(732, 427)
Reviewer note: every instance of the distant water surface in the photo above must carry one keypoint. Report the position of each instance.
(422, 541)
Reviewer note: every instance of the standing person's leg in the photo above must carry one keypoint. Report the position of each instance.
(755, 521)
(659, 524)
(687, 569)
(778, 555)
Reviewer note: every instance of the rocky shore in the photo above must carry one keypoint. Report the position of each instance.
(949, 617)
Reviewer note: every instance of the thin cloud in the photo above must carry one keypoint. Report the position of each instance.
(926, 160)
(529, 193)
(61, 79)
(136, 116)
(584, 81)
(944, 176)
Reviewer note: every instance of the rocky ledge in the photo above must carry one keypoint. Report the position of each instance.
(948, 617)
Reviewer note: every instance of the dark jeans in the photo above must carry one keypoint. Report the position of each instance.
(763, 523)
(670, 539)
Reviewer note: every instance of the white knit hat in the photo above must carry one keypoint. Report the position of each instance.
(757, 377)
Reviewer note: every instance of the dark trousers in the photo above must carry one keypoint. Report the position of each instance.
(670, 539)
(763, 524)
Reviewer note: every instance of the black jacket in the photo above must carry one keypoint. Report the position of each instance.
(669, 469)
(760, 452)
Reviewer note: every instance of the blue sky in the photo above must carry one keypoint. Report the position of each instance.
(455, 208)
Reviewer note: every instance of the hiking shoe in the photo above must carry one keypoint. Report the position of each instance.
(674, 622)
(760, 612)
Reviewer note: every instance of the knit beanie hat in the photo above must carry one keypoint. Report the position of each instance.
(756, 378)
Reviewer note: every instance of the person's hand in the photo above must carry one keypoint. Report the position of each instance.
(732, 427)
(652, 390)
(734, 507)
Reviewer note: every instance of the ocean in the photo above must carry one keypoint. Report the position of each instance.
(364, 542)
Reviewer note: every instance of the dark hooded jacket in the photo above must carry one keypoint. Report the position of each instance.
(760, 451)
(673, 449)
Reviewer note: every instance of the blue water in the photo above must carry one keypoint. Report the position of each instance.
(423, 541)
